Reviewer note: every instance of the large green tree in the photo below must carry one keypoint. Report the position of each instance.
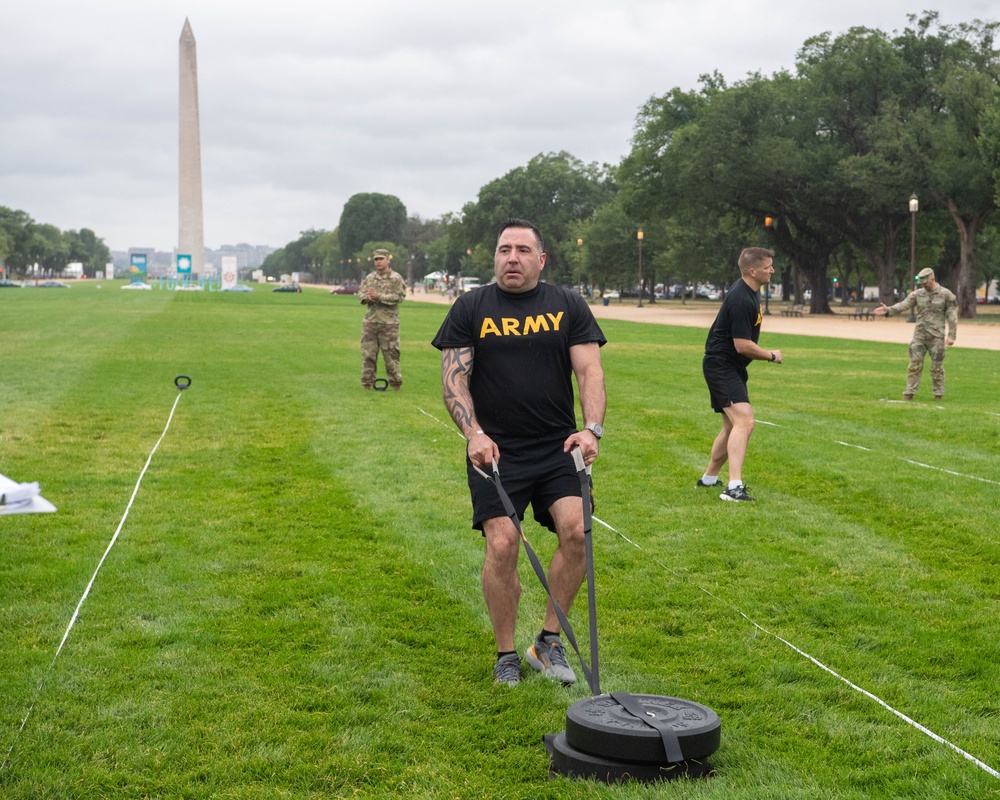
(859, 93)
(89, 249)
(15, 225)
(833, 152)
(610, 247)
(324, 254)
(371, 217)
(555, 191)
(962, 90)
(735, 156)
(48, 248)
(419, 236)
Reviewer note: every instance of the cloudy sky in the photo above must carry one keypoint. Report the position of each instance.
(307, 102)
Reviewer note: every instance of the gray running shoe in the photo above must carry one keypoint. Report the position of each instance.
(548, 656)
(507, 670)
(737, 493)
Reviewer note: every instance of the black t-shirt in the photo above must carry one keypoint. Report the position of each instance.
(738, 318)
(521, 382)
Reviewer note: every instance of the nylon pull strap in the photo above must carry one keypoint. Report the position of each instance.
(671, 744)
(587, 493)
(537, 566)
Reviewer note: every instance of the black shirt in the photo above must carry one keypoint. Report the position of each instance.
(738, 318)
(521, 382)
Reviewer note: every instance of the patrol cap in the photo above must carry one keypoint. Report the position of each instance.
(924, 275)
(380, 253)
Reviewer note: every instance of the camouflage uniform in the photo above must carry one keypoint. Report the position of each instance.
(380, 329)
(934, 308)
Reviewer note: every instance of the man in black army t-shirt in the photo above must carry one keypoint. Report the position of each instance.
(509, 352)
(730, 347)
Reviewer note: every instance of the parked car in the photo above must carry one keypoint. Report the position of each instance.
(288, 287)
(53, 285)
(613, 295)
(239, 287)
(6, 284)
(344, 290)
(137, 285)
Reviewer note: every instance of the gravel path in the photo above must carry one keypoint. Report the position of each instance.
(982, 334)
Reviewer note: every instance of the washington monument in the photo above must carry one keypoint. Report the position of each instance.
(191, 235)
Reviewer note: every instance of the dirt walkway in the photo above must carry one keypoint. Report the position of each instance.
(981, 334)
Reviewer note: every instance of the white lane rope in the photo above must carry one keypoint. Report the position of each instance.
(822, 666)
(906, 460)
(180, 386)
(939, 739)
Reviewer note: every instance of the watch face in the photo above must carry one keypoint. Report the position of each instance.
(596, 429)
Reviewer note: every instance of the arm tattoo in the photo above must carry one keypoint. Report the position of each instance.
(456, 369)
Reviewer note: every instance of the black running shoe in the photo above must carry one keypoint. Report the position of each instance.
(736, 494)
(701, 483)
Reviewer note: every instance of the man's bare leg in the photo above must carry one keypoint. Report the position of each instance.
(740, 416)
(569, 564)
(720, 449)
(501, 585)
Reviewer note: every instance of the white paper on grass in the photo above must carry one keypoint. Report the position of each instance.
(22, 498)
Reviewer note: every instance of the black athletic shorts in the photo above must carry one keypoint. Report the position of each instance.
(727, 382)
(531, 472)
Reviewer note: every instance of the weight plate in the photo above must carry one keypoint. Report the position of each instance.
(567, 760)
(601, 727)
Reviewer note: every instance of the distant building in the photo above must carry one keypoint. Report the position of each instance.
(163, 264)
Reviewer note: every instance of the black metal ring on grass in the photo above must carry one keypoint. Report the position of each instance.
(182, 382)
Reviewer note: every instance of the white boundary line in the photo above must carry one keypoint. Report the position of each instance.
(941, 740)
(93, 577)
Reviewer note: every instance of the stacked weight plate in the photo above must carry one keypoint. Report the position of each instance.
(606, 741)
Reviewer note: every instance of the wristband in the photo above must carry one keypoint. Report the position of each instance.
(477, 433)
(772, 355)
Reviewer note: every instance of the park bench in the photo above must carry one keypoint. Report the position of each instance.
(860, 312)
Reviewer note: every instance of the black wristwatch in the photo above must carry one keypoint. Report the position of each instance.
(595, 428)
(772, 355)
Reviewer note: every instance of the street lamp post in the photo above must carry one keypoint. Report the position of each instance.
(640, 268)
(914, 208)
(579, 274)
(769, 224)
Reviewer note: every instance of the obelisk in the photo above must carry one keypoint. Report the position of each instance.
(191, 234)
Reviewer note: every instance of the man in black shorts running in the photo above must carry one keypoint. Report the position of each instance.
(730, 347)
(509, 352)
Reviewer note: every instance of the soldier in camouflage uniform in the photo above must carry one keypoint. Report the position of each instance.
(382, 291)
(935, 306)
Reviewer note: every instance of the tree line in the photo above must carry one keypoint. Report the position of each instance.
(25, 243)
(819, 162)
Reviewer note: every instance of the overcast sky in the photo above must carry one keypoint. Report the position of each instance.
(307, 102)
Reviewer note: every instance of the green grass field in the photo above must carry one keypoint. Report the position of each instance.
(292, 608)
